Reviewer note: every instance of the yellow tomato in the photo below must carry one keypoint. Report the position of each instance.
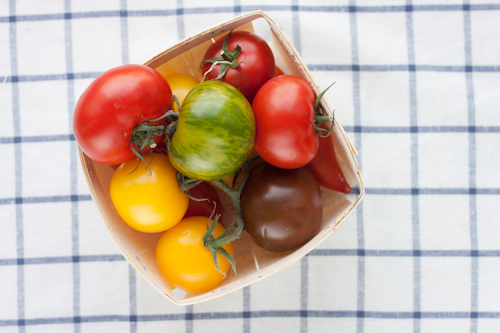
(181, 85)
(183, 259)
(148, 200)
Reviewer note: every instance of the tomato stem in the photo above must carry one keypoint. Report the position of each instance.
(185, 184)
(143, 133)
(226, 60)
(215, 245)
(321, 118)
(225, 56)
(208, 242)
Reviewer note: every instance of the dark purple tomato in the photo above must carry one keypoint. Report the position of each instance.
(281, 207)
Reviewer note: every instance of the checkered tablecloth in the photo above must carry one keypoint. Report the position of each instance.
(417, 90)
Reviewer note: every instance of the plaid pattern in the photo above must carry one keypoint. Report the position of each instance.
(417, 90)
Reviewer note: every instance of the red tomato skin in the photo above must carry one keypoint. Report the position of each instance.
(326, 168)
(113, 104)
(204, 208)
(256, 63)
(284, 115)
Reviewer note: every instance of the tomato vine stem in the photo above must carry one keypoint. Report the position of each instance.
(143, 134)
(226, 60)
(215, 245)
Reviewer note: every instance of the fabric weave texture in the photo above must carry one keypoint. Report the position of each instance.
(417, 91)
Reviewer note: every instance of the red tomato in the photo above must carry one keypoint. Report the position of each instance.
(326, 168)
(284, 115)
(113, 104)
(256, 62)
(205, 207)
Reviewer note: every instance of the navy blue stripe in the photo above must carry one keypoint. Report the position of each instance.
(396, 9)
(188, 317)
(55, 198)
(61, 260)
(369, 190)
(304, 267)
(415, 203)
(349, 129)
(132, 299)
(231, 9)
(296, 26)
(423, 129)
(312, 67)
(39, 138)
(18, 170)
(49, 77)
(258, 314)
(304, 293)
(131, 272)
(353, 29)
(124, 31)
(247, 323)
(315, 253)
(474, 274)
(181, 33)
(404, 253)
(402, 68)
(433, 191)
(237, 7)
(75, 218)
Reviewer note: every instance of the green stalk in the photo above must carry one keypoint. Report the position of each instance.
(215, 245)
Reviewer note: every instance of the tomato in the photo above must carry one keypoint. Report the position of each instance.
(111, 107)
(204, 207)
(282, 208)
(256, 62)
(181, 85)
(326, 168)
(284, 114)
(148, 199)
(184, 260)
(215, 132)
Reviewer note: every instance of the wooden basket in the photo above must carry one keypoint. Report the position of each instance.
(253, 263)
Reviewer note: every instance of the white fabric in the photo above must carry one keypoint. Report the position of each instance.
(417, 90)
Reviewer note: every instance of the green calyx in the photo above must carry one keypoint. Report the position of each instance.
(233, 232)
(143, 133)
(321, 118)
(227, 59)
(142, 137)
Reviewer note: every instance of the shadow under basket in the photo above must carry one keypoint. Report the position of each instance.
(253, 263)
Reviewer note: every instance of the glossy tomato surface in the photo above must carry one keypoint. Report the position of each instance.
(184, 260)
(256, 62)
(284, 115)
(181, 85)
(112, 105)
(326, 168)
(215, 132)
(282, 208)
(148, 200)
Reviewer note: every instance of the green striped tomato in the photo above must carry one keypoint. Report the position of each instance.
(215, 132)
